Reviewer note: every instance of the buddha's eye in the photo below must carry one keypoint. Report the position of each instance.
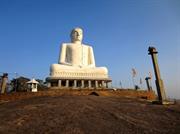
(75, 33)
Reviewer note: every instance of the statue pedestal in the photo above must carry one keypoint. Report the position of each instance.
(78, 83)
(78, 78)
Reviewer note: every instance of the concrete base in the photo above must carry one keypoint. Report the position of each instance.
(78, 83)
(165, 102)
(34, 90)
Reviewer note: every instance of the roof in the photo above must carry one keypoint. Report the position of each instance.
(33, 81)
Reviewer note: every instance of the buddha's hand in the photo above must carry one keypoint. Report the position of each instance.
(65, 63)
(80, 66)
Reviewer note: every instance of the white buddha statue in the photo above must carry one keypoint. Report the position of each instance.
(77, 60)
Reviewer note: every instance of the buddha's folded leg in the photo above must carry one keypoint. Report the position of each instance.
(101, 70)
(59, 70)
(60, 67)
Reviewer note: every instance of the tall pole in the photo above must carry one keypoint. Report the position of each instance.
(15, 81)
(150, 77)
(133, 82)
(147, 82)
(159, 81)
(133, 76)
(4, 83)
(140, 82)
(120, 83)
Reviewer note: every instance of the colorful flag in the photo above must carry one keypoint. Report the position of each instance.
(133, 72)
(150, 75)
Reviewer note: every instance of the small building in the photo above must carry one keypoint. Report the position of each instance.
(32, 84)
(20, 84)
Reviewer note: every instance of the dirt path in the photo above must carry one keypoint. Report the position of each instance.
(88, 114)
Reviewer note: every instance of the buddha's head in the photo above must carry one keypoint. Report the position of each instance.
(77, 35)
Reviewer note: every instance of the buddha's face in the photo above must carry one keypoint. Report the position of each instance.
(76, 35)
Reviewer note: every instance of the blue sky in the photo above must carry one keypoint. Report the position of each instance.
(120, 32)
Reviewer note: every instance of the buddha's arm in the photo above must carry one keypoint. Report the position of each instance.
(91, 58)
(62, 57)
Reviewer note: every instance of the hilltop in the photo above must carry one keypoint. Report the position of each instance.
(61, 112)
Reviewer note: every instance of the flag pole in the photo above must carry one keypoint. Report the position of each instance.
(150, 75)
(133, 76)
(140, 82)
(120, 83)
(133, 82)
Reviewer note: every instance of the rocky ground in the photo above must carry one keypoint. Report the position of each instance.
(86, 114)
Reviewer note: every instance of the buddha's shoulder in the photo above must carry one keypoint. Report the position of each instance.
(85, 45)
(66, 44)
(71, 45)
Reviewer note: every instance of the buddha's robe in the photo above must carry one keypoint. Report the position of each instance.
(77, 60)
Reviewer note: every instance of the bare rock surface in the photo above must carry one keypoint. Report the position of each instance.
(74, 114)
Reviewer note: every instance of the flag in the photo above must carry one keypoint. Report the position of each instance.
(120, 83)
(150, 75)
(133, 72)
